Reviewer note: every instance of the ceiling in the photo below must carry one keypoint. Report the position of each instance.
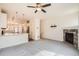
(56, 9)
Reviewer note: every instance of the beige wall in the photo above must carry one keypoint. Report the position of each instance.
(61, 22)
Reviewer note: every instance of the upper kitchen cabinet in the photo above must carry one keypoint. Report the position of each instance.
(3, 20)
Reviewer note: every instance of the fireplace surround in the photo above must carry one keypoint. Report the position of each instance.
(71, 36)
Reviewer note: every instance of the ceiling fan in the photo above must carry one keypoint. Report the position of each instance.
(39, 7)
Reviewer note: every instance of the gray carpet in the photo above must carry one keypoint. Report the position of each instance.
(41, 48)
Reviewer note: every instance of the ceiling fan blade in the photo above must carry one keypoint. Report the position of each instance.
(36, 11)
(43, 10)
(31, 6)
(46, 5)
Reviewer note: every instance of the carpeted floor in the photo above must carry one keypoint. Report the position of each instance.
(41, 48)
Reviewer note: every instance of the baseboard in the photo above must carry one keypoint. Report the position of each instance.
(52, 39)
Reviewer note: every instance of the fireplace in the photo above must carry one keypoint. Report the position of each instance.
(71, 36)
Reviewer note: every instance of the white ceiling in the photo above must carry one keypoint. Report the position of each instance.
(56, 9)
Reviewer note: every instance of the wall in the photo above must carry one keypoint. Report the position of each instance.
(61, 22)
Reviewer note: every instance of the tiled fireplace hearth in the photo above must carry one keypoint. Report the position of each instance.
(71, 36)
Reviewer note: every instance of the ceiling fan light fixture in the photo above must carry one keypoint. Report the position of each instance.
(39, 9)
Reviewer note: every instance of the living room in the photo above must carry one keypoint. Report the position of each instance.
(38, 29)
